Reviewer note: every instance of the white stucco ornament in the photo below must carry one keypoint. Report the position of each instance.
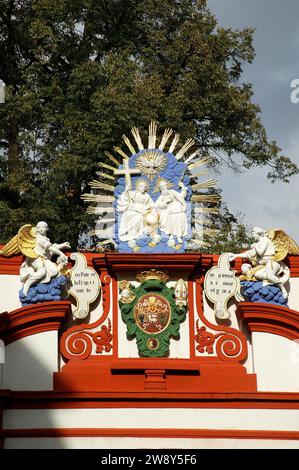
(266, 255)
(181, 293)
(38, 250)
(85, 286)
(220, 285)
(147, 204)
(141, 215)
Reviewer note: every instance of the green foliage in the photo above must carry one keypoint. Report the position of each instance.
(234, 234)
(79, 74)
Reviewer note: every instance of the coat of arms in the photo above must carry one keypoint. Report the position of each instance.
(153, 312)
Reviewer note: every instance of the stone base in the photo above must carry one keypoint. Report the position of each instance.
(153, 375)
(52, 290)
(254, 291)
(147, 245)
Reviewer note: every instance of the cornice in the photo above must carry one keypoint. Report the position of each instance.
(34, 319)
(269, 318)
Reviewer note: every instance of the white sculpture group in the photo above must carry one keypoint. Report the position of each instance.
(140, 215)
(266, 255)
(33, 243)
(41, 268)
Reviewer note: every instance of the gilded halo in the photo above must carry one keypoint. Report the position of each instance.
(151, 163)
(141, 181)
(161, 180)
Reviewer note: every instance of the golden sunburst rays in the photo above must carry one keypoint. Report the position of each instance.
(94, 210)
(136, 135)
(101, 199)
(208, 198)
(152, 135)
(165, 137)
(192, 156)
(192, 160)
(150, 163)
(108, 167)
(152, 140)
(208, 210)
(112, 165)
(121, 152)
(211, 232)
(105, 175)
(205, 222)
(199, 174)
(104, 228)
(201, 221)
(105, 221)
(112, 158)
(159, 181)
(197, 237)
(128, 144)
(202, 185)
(103, 208)
(174, 143)
(210, 183)
(97, 198)
(102, 233)
(98, 185)
(199, 163)
(184, 149)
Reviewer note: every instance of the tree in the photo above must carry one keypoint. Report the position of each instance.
(79, 74)
(232, 233)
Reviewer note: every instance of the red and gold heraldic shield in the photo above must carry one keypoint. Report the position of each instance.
(152, 313)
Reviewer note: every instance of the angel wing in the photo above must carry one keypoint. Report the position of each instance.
(284, 244)
(159, 161)
(146, 163)
(11, 248)
(23, 242)
(27, 240)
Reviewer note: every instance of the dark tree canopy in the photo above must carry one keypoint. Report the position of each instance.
(232, 233)
(79, 74)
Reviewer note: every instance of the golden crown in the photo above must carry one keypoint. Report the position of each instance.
(152, 274)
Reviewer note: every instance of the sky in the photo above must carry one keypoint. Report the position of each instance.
(276, 65)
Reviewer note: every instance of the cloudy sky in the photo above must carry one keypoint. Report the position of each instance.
(276, 42)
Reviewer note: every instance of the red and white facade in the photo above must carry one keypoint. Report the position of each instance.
(67, 384)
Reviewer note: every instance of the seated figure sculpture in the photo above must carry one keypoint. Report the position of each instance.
(133, 205)
(38, 250)
(42, 269)
(171, 207)
(140, 215)
(266, 255)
